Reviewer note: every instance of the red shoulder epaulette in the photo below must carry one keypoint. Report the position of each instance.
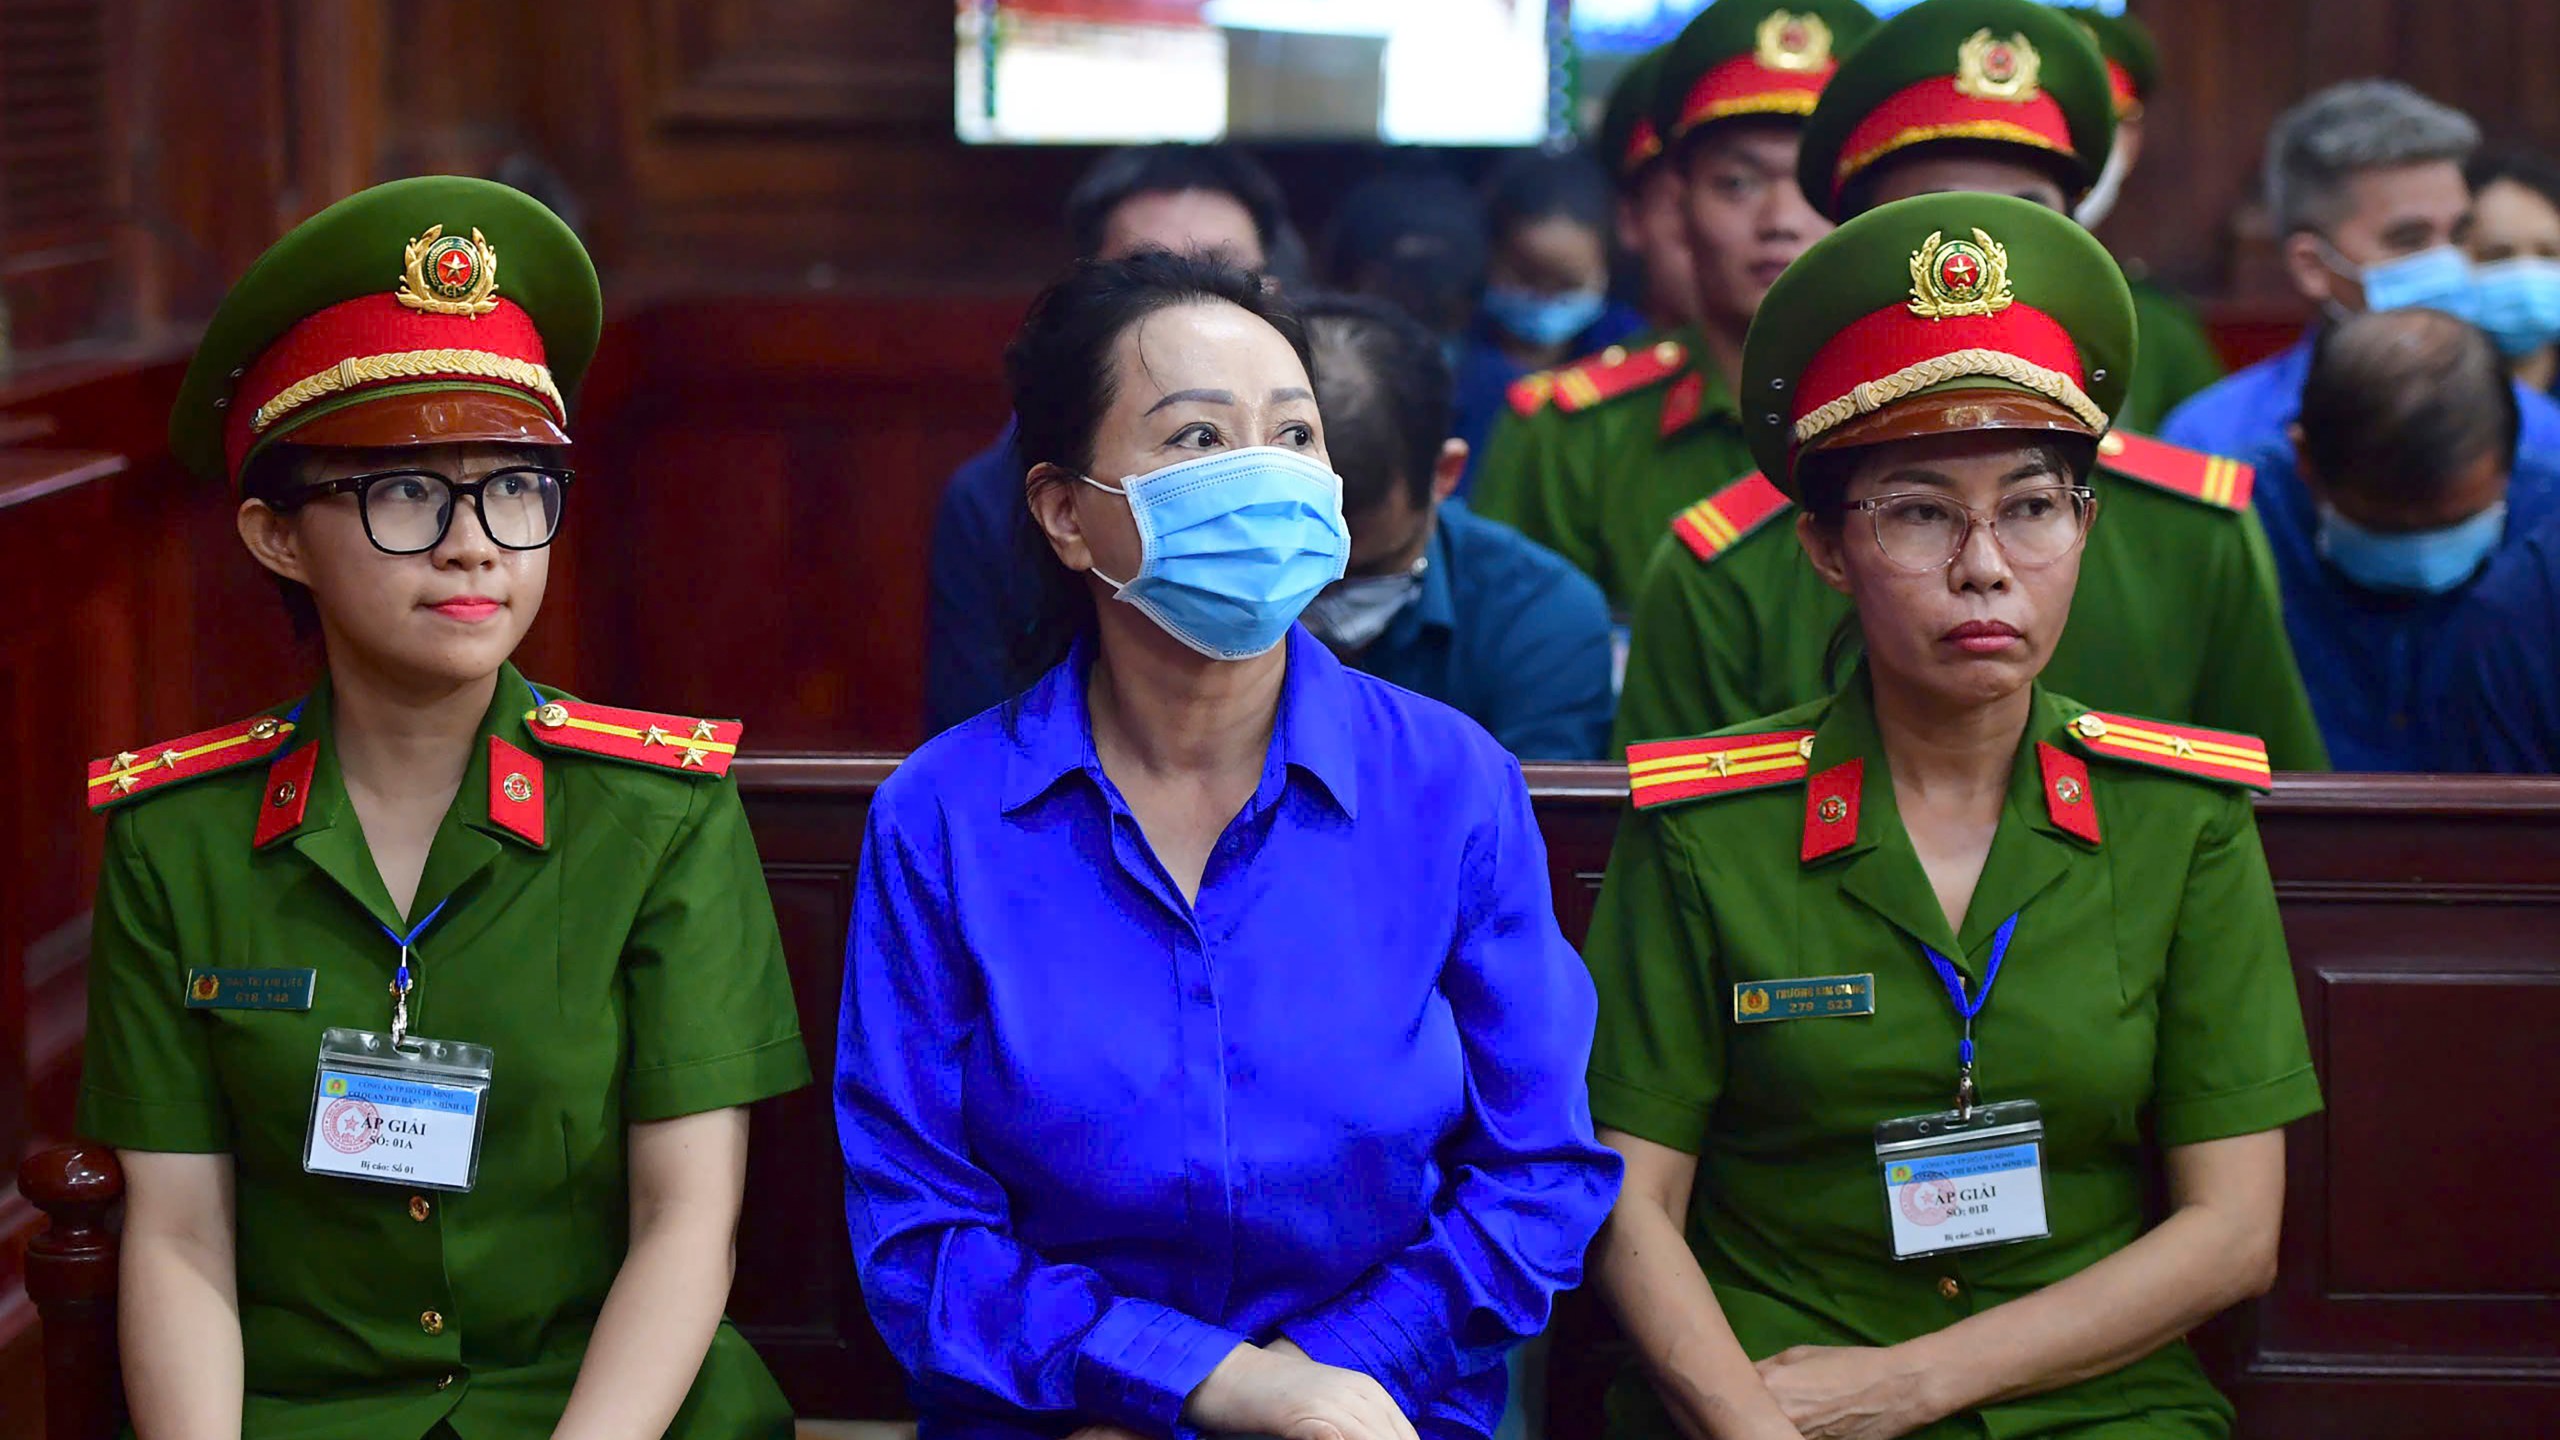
(129, 774)
(1666, 771)
(1530, 393)
(2214, 479)
(642, 737)
(1717, 523)
(1614, 372)
(2223, 755)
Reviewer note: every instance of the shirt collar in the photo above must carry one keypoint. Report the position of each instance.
(1052, 731)
(2029, 851)
(1700, 393)
(324, 835)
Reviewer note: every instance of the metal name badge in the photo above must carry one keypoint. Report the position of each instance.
(1963, 1180)
(403, 1112)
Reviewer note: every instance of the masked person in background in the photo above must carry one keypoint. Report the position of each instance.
(1211, 1058)
(1434, 598)
(2407, 442)
(1546, 282)
(2365, 183)
(2515, 254)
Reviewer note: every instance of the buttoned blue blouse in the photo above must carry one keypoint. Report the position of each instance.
(1096, 1137)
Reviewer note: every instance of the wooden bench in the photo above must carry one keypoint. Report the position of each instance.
(2421, 1265)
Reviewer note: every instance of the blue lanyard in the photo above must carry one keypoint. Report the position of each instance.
(1966, 1009)
(402, 982)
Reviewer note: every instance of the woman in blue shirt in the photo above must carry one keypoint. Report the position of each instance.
(1211, 1060)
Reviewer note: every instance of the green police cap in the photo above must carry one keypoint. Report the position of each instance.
(1936, 314)
(2002, 72)
(1739, 59)
(1627, 140)
(432, 309)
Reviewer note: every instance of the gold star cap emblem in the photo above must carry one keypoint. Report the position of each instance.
(1792, 43)
(448, 275)
(1959, 277)
(1998, 67)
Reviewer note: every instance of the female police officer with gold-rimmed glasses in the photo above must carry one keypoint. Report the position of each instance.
(1896, 988)
(424, 1008)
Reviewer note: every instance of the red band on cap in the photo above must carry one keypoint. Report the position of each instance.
(1744, 86)
(1935, 110)
(2128, 96)
(1892, 340)
(372, 325)
(1643, 144)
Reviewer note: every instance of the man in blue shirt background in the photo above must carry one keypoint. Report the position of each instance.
(2365, 184)
(979, 595)
(2408, 482)
(2498, 706)
(1438, 600)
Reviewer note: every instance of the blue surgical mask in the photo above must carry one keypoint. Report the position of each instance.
(2519, 302)
(2416, 562)
(1543, 319)
(2436, 279)
(1232, 546)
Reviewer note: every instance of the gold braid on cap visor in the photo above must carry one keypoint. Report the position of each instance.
(359, 370)
(1873, 395)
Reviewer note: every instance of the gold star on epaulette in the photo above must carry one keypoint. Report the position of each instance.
(124, 760)
(653, 736)
(169, 759)
(701, 729)
(691, 758)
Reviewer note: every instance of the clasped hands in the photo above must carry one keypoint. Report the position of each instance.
(1277, 1390)
(1840, 1392)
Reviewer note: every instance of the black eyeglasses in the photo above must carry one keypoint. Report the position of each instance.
(407, 512)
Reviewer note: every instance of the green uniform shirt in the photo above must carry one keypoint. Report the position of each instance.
(2178, 359)
(2177, 616)
(1599, 485)
(628, 970)
(2147, 988)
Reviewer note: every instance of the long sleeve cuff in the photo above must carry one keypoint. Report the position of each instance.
(1140, 1362)
(1383, 1330)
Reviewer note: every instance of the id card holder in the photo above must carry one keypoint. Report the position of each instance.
(397, 1113)
(1963, 1180)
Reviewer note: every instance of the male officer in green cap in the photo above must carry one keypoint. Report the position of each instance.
(1946, 1025)
(1649, 223)
(1597, 457)
(2008, 97)
(424, 1009)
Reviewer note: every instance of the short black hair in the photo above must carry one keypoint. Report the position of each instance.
(271, 477)
(1415, 237)
(1385, 390)
(2521, 164)
(1060, 369)
(1123, 175)
(2399, 402)
(1858, 194)
(1535, 185)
